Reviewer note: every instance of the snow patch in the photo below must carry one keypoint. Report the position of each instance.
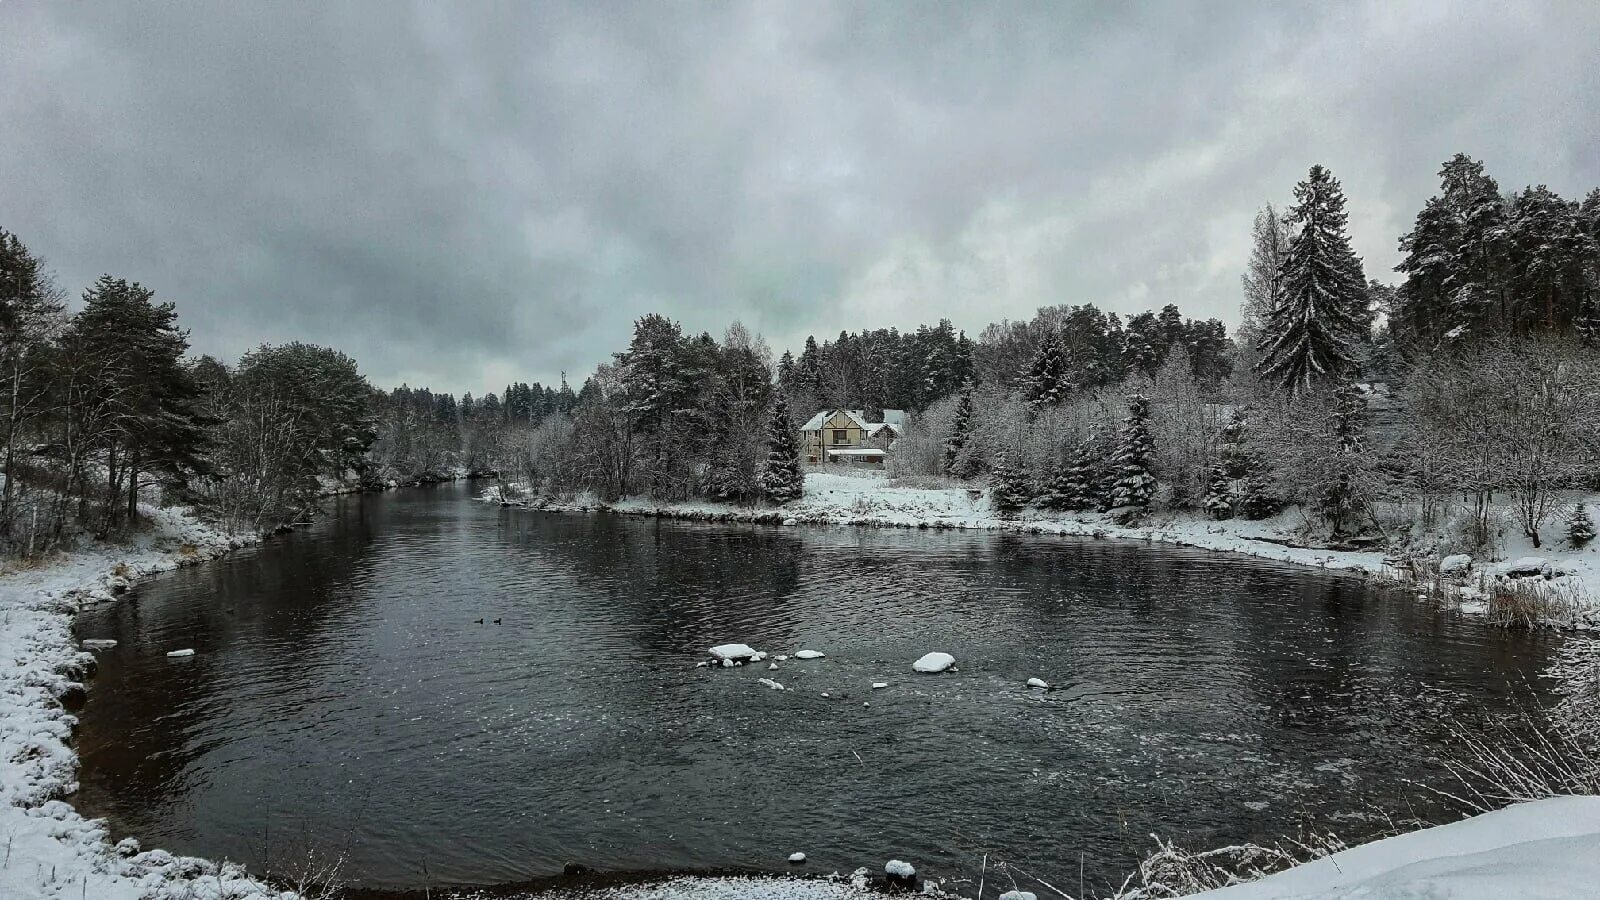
(808, 654)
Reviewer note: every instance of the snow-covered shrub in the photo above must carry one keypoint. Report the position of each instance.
(1580, 528)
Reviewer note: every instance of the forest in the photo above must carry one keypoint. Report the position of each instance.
(1367, 405)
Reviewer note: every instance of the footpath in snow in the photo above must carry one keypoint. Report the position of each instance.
(873, 499)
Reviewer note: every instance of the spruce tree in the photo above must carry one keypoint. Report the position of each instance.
(1011, 488)
(1073, 486)
(1135, 451)
(1048, 382)
(1340, 497)
(1580, 528)
(960, 430)
(1220, 499)
(782, 479)
(1316, 317)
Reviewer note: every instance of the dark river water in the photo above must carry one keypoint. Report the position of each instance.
(344, 697)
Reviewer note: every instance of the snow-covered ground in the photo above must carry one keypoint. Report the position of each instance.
(48, 850)
(871, 498)
(1532, 851)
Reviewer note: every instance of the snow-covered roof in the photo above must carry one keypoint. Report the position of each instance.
(855, 451)
(874, 427)
(816, 422)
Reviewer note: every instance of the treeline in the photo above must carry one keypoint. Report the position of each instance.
(104, 411)
(1485, 379)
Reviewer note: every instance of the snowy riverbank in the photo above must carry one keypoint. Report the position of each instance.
(875, 500)
(49, 849)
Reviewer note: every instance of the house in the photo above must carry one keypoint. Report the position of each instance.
(845, 436)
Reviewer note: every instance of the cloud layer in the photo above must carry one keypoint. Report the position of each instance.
(460, 195)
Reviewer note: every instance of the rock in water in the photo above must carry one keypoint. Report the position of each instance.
(934, 662)
(797, 858)
(808, 654)
(1019, 895)
(772, 684)
(900, 875)
(1038, 683)
(733, 651)
(99, 644)
(177, 653)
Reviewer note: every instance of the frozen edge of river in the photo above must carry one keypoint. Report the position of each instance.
(869, 500)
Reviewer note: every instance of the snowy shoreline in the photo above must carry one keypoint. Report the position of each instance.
(51, 850)
(871, 500)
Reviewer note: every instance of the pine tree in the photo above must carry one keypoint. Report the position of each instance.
(960, 430)
(1580, 528)
(1011, 488)
(1316, 317)
(782, 479)
(1048, 382)
(1220, 498)
(1135, 451)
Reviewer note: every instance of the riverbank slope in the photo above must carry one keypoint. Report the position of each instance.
(1570, 598)
(50, 850)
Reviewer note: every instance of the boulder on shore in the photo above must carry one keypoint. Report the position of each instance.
(1455, 564)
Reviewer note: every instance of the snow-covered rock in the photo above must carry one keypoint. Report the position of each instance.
(187, 651)
(879, 685)
(899, 869)
(1455, 564)
(731, 652)
(772, 667)
(772, 684)
(99, 644)
(1038, 683)
(797, 857)
(808, 654)
(1019, 895)
(934, 662)
(1525, 567)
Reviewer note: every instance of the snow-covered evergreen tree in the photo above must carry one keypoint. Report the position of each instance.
(1011, 489)
(1339, 495)
(782, 479)
(1580, 527)
(1135, 451)
(960, 430)
(1049, 380)
(1316, 318)
(1073, 486)
(1220, 497)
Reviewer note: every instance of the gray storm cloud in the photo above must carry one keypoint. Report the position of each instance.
(460, 195)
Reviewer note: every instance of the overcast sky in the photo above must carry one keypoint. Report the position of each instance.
(464, 194)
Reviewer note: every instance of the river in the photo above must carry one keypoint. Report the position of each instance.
(345, 697)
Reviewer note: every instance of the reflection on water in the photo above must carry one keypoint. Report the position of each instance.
(345, 696)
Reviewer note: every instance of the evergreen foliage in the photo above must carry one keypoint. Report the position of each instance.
(1321, 303)
(1134, 484)
(782, 479)
(1048, 382)
(1580, 527)
(960, 429)
(1010, 488)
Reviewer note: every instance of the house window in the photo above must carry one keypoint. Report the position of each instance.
(841, 436)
